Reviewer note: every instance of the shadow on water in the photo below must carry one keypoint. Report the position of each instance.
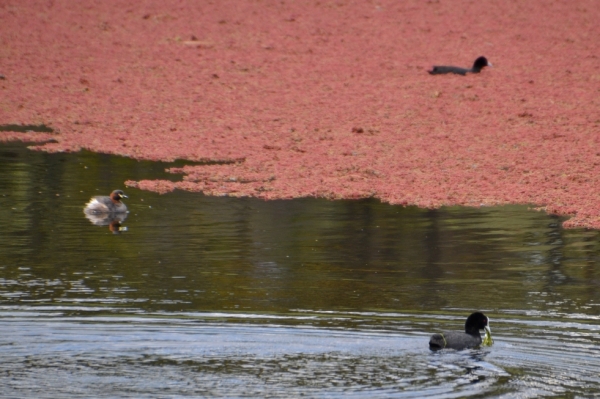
(241, 297)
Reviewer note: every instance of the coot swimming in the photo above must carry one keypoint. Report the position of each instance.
(478, 65)
(462, 340)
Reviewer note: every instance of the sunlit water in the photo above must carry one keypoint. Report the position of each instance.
(225, 297)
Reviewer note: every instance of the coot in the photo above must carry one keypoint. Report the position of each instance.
(106, 204)
(461, 340)
(478, 65)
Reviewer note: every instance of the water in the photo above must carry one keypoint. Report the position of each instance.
(221, 297)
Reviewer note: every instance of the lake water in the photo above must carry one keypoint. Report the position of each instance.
(195, 296)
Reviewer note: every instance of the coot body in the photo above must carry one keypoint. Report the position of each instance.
(478, 65)
(459, 340)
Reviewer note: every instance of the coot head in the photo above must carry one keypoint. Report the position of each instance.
(475, 322)
(480, 63)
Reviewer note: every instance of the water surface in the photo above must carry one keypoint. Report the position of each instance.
(226, 297)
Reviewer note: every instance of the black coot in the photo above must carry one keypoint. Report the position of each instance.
(461, 340)
(478, 65)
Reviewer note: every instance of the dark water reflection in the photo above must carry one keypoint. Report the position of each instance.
(240, 297)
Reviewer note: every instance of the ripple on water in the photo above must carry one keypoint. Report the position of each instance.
(44, 356)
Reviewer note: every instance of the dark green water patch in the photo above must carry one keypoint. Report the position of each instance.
(26, 128)
(88, 171)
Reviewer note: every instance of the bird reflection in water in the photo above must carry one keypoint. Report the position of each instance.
(112, 220)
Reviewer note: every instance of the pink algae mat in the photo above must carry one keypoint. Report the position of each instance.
(286, 99)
